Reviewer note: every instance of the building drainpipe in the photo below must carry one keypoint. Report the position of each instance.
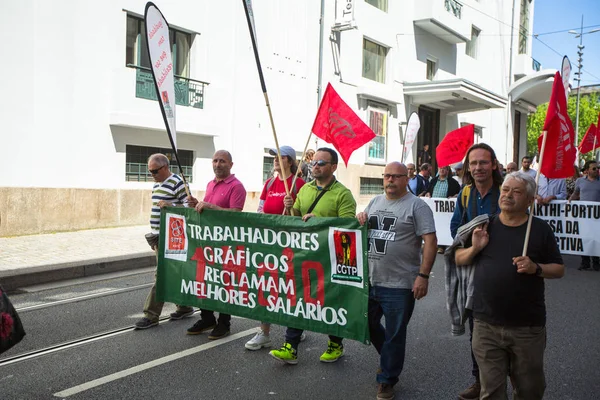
(320, 73)
(509, 131)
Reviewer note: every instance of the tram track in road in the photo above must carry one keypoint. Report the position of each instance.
(76, 299)
(30, 355)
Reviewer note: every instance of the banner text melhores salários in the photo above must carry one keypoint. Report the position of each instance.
(250, 235)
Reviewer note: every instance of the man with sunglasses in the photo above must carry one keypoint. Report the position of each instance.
(325, 196)
(587, 188)
(398, 223)
(168, 190)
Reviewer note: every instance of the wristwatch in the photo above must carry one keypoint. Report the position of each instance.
(422, 275)
(538, 270)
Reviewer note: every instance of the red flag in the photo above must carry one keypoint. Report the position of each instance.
(560, 152)
(454, 146)
(337, 124)
(588, 141)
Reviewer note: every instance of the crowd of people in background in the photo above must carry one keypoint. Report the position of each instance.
(488, 225)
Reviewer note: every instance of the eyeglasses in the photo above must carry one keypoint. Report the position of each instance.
(320, 163)
(155, 171)
(393, 176)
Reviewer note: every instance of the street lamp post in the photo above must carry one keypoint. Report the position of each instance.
(580, 48)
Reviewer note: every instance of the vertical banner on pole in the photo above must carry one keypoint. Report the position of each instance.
(157, 35)
(412, 128)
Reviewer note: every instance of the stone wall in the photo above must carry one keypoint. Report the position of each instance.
(30, 211)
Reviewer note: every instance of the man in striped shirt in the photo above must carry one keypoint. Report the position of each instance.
(168, 190)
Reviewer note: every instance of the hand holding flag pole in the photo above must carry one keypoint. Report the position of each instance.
(250, 18)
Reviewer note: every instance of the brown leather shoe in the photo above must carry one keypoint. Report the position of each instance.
(385, 392)
(471, 393)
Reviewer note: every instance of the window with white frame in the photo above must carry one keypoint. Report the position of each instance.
(473, 44)
(377, 119)
(431, 69)
(374, 56)
(381, 4)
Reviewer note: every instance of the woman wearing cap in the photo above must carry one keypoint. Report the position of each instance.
(271, 202)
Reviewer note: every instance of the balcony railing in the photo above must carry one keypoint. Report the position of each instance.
(454, 8)
(188, 92)
(535, 64)
(138, 172)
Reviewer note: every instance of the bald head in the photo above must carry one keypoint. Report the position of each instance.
(222, 164)
(395, 179)
(511, 167)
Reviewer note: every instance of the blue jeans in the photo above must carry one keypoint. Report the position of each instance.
(397, 306)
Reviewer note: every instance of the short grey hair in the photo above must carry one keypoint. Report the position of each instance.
(159, 158)
(520, 176)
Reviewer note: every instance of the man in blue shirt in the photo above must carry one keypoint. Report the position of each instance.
(482, 181)
(417, 185)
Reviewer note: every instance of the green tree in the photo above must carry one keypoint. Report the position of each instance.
(589, 108)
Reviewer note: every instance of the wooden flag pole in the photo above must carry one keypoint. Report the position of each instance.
(264, 89)
(537, 179)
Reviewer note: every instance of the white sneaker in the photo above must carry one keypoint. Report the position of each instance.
(303, 337)
(259, 341)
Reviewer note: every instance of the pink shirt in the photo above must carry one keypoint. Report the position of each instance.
(228, 193)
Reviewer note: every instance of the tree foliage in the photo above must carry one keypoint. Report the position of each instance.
(589, 108)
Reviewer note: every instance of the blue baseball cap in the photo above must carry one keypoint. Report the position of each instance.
(285, 151)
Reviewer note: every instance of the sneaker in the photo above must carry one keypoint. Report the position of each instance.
(385, 392)
(303, 337)
(201, 326)
(584, 267)
(177, 315)
(259, 341)
(287, 354)
(471, 393)
(219, 332)
(145, 323)
(333, 353)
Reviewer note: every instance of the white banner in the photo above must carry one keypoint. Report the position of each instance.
(412, 128)
(575, 224)
(443, 209)
(157, 35)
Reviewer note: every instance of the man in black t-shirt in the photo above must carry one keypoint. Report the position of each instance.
(508, 299)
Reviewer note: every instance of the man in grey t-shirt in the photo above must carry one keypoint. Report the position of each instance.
(398, 223)
(587, 188)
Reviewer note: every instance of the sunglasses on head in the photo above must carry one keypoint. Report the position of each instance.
(320, 163)
(155, 171)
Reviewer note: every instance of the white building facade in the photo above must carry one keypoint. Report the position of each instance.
(81, 115)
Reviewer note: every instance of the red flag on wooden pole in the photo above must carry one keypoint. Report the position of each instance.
(338, 124)
(560, 149)
(454, 146)
(590, 141)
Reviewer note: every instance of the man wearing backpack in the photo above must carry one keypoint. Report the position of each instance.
(325, 196)
(482, 181)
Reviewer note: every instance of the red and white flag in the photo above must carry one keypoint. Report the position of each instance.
(454, 146)
(338, 124)
(560, 152)
(590, 141)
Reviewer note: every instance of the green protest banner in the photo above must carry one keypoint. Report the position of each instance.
(310, 275)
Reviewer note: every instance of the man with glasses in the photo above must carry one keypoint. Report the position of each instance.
(325, 196)
(398, 275)
(224, 192)
(482, 181)
(416, 183)
(587, 188)
(168, 190)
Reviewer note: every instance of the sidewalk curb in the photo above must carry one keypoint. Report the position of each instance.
(78, 269)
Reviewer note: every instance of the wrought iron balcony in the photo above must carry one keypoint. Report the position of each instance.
(454, 8)
(188, 92)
